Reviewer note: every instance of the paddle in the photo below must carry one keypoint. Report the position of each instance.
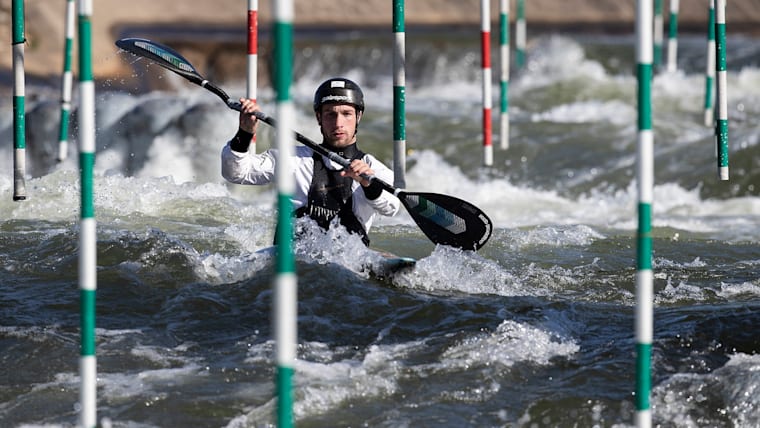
(445, 220)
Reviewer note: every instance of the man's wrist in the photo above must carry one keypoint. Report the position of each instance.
(373, 191)
(242, 140)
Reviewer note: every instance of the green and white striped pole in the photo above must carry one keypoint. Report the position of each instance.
(645, 182)
(87, 233)
(253, 58)
(504, 81)
(286, 283)
(658, 30)
(399, 96)
(19, 108)
(67, 82)
(673, 37)
(521, 35)
(710, 71)
(721, 125)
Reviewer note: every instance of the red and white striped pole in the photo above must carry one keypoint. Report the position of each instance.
(485, 43)
(253, 57)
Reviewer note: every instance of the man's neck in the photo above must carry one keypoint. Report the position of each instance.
(347, 151)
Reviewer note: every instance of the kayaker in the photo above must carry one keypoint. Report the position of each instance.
(324, 190)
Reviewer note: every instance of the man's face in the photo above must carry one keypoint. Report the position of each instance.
(338, 124)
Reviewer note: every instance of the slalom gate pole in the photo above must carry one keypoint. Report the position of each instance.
(66, 82)
(658, 30)
(721, 125)
(285, 286)
(485, 45)
(710, 71)
(19, 102)
(87, 233)
(253, 57)
(399, 95)
(521, 36)
(645, 182)
(673, 37)
(504, 80)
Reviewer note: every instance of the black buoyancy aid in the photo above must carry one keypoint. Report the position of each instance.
(331, 195)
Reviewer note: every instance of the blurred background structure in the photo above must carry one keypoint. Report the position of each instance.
(222, 25)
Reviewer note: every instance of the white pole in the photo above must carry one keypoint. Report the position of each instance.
(253, 57)
(286, 283)
(19, 101)
(721, 125)
(710, 71)
(658, 30)
(87, 234)
(66, 82)
(645, 183)
(399, 95)
(485, 43)
(521, 34)
(504, 81)
(673, 37)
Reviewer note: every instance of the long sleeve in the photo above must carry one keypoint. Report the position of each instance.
(248, 168)
(251, 168)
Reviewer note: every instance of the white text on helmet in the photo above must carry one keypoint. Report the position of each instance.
(337, 99)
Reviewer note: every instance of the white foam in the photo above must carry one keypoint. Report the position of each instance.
(730, 390)
(510, 343)
(555, 236)
(329, 379)
(558, 58)
(750, 289)
(615, 112)
(219, 269)
(328, 385)
(447, 269)
(674, 206)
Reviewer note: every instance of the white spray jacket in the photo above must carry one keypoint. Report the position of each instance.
(250, 168)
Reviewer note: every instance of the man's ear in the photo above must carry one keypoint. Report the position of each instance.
(359, 116)
(318, 115)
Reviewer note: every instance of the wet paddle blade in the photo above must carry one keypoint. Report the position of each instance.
(447, 220)
(171, 60)
(162, 55)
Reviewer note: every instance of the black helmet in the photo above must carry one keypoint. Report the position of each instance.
(339, 91)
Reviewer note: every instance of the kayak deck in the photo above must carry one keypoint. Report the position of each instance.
(388, 264)
(379, 264)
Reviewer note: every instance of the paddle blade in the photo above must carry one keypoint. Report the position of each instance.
(162, 55)
(447, 220)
